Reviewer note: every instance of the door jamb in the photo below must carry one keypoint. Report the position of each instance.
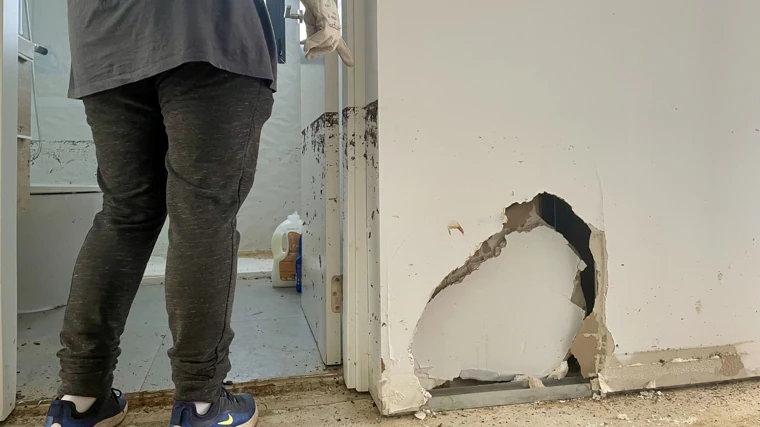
(356, 315)
(8, 205)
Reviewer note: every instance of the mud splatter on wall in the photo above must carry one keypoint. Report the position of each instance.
(321, 215)
(63, 162)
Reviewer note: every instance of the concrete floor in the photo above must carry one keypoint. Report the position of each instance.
(734, 404)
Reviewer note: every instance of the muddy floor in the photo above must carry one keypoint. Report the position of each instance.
(734, 404)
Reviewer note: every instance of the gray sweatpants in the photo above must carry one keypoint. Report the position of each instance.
(183, 143)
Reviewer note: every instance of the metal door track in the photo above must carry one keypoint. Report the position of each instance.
(500, 394)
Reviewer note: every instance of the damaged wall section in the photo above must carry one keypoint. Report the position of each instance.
(636, 133)
(513, 308)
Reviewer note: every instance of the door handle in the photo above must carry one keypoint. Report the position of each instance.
(289, 15)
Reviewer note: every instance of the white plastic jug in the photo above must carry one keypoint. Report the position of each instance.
(284, 266)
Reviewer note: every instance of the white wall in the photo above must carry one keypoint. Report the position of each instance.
(643, 116)
(64, 152)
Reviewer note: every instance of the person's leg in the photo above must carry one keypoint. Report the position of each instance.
(213, 120)
(131, 144)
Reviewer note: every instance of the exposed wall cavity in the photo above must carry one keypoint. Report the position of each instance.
(518, 304)
(559, 214)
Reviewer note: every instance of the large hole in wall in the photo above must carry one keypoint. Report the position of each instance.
(512, 310)
(558, 214)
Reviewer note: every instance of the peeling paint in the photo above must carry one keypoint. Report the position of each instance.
(731, 365)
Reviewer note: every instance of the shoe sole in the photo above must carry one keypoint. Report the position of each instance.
(115, 420)
(252, 422)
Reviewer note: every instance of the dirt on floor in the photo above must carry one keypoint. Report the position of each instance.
(731, 404)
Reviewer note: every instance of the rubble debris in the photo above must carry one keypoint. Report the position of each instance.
(534, 382)
(560, 372)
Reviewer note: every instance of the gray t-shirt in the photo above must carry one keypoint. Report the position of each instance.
(116, 42)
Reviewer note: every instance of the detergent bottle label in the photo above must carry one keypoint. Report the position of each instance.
(288, 264)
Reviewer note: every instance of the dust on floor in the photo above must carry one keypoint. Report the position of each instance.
(734, 404)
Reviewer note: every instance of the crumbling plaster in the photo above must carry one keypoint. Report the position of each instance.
(642, 116)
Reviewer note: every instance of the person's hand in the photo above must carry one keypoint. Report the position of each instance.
(323, 31)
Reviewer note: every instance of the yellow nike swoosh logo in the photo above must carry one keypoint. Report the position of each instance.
(228, 422)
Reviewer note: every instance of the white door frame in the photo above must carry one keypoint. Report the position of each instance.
(356, 313)
(8, 205)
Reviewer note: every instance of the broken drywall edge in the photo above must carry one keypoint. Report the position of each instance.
(423, 375)
(519, 217)
(560, 372)
(578, 298)
(484, 375)
(594, 344)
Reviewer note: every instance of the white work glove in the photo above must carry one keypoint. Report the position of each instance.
(323, 31)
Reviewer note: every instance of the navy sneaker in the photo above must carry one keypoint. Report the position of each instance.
(107, 412)
(230, 410)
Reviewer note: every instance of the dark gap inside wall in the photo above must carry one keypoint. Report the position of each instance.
(559, 214)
